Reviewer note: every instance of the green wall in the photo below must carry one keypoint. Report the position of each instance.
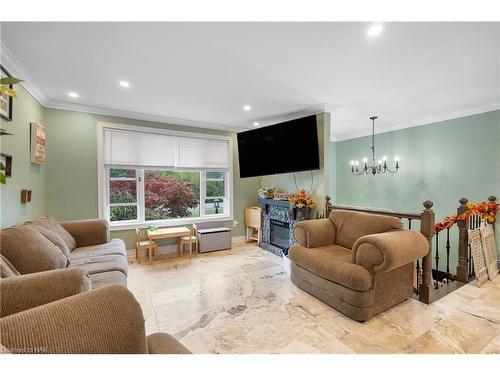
(25, 175)
(442, 162)
(319, 183)
(72, 168)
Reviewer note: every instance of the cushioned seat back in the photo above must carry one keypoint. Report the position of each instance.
(29, 251)
(351, 225)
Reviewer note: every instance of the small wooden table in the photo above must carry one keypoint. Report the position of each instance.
(169, 233)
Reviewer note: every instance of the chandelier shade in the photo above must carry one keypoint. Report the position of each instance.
(375, 166)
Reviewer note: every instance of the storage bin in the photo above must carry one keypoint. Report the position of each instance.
(212, 239)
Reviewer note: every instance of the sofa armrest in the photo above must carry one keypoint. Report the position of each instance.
(88, 232)
(384, 252)
(163, 343)
(107, 320)
(314, 233)
(20, 293)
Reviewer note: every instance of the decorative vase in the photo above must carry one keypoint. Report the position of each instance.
(302, 213)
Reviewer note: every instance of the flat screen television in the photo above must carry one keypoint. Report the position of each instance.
(290, 146)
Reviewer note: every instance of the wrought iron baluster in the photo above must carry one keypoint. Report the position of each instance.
(437, 260)
(447, 255)
(419, 277)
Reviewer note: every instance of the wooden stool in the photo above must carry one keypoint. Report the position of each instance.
(150, 246)
(188, 240)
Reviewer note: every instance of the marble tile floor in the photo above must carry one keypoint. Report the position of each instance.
(242, 301)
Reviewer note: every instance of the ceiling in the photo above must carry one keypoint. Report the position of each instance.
(204, 73)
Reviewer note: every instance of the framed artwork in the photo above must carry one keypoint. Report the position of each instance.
(5, 100)
(38, 133)
(6, 160)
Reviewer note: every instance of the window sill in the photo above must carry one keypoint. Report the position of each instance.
(168, 223)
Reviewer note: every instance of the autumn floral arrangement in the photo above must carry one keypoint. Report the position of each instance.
(266, 193)
(301, 200)
(487, 211)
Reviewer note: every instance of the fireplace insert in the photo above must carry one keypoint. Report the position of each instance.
(280, 234)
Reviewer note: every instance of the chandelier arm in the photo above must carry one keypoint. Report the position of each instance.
(394, 171)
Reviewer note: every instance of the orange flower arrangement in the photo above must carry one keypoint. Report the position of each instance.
(301, 200)
(487, 211)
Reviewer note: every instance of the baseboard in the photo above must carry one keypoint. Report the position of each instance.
(238, 239)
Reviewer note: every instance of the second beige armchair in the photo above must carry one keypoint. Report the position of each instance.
(360, 264)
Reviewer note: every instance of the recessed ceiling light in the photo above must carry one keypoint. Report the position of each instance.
(73, 95)
(125, 84)
(374, 30)
(247, 108)
(256, 123)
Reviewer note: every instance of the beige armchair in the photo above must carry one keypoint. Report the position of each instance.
(360, 264)
(56, 312)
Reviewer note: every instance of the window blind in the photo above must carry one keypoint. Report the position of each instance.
(198, 153)
(141, 149)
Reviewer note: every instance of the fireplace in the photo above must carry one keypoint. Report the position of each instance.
(279, 234)
(278, 218)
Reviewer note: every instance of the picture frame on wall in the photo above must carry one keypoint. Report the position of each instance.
(38, 135)
(5, 100)
(6, 160)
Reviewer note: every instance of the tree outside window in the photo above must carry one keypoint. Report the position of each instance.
(167, 194)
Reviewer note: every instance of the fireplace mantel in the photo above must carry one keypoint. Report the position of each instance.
(281, 211)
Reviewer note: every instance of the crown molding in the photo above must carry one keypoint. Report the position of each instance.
(139, 116)
(15, 68)
(494, 106)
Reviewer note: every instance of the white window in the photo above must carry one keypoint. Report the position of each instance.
(152, 177)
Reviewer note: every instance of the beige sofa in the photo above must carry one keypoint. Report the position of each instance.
(360, 264)
(55, 312)
(44, 244)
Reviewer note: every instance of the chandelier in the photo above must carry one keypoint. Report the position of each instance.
(375, 167)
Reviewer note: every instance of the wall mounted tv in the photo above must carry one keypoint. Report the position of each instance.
(290, 146)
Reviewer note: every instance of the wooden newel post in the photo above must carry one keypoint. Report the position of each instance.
(428, 230)
(327, 206)
(463, 242)
(493, 200)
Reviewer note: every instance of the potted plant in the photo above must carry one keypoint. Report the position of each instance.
(6, 89)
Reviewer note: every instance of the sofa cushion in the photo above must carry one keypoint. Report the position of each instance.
(351, 225)
(51, 224)
(105, 278)
(105, 263)
(52, 237)
(114, 247)
(29, 251)
(7, 269)
(332, 263)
